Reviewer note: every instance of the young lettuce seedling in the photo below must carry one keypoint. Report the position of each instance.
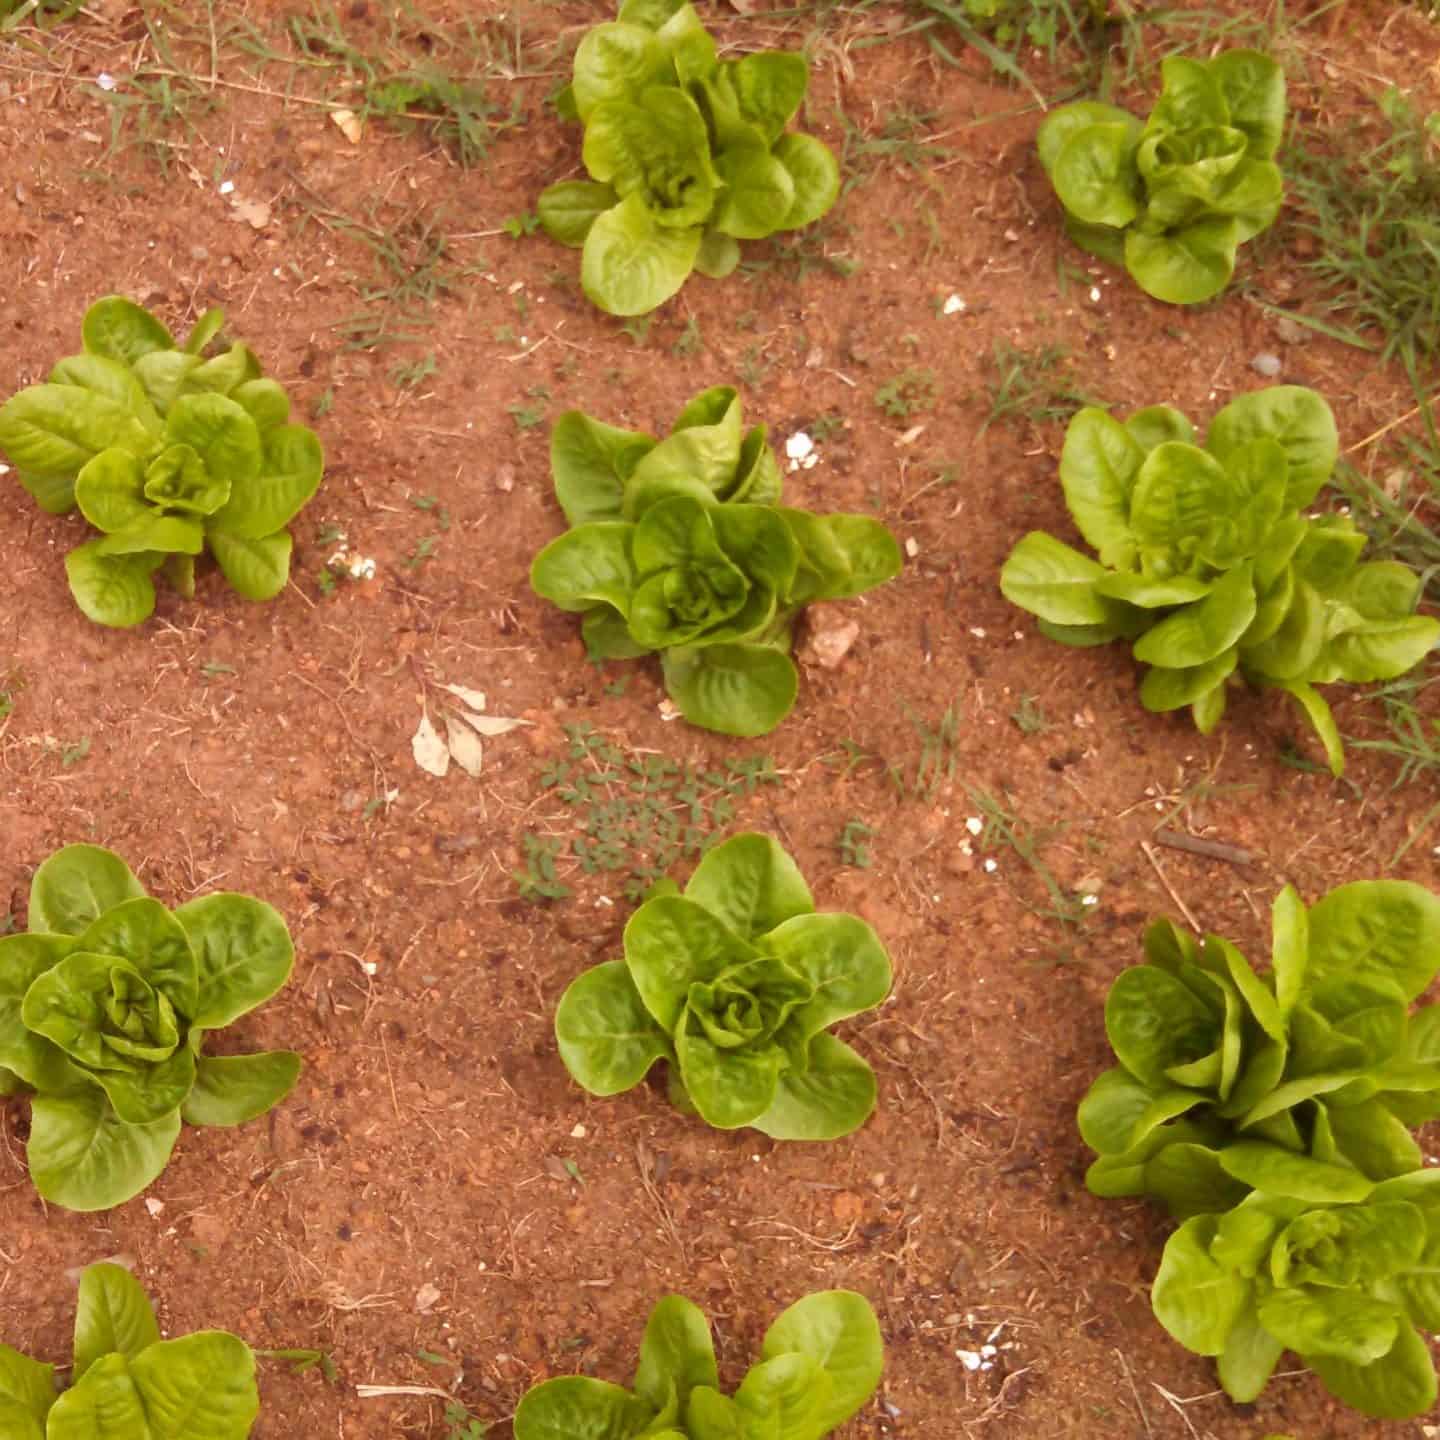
(735, 984)
(169, 455)
(1346, 1285)
(1174, 198)
(680, 546)
(104, 1006)
(1208, 565)
(687, 155)
(820, 1362)
(1301, 1082)
(126, 1381)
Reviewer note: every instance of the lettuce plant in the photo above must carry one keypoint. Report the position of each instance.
(104, 1006)
(1208, 565)
(735, 984)
(1230, 1081)
(819, 1363)
(126, 1382)
(680, 546)
(169, 455)
(1172, 199)
(687, 156)
(1346, 1285)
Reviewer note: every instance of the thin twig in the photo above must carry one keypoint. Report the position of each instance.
(1212, 849)
(1154, 860)
(369, 1392)
(1125, 1365)
(385, 1051)
(645, 1165)
(1389, 426)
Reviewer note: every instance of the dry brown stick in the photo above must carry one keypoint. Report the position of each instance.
(1154, 860)
(1211, 849)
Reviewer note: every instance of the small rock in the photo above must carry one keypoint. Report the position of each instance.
(505, 479)
(828, 636)
(199, 252)
(209, 1230)
(425, 1297)
(1266, 364)
(1292, 332)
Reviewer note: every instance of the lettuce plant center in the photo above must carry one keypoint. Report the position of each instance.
(692, 593)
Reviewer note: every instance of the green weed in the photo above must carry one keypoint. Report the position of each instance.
(409, 377)
(637, 330)
(1029, 716)
(938, 758)
(45, 13)
(899, 140)
(1004, 828)
(538, 880)
(1031, 385)
(902, 395)
(300, 1361)
(526, 417)
(459, 113)
(1414, 740)
(853, 844)
(636, 815)
(1372, 210)
(690, 341)
(461, 1424)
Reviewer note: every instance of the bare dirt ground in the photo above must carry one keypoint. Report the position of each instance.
(438, 1205)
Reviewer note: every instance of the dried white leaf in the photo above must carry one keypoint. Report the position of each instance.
(431, 752)
(464, 745)
(426, 1297)
(475, 699)
(254, 213)
(491, 725)
(349, 123)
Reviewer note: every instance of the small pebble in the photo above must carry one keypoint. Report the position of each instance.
(1266, 364)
